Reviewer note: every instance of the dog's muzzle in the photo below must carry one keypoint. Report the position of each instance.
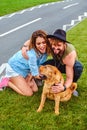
(43, 77)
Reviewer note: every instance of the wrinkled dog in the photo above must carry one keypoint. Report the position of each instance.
(53, 76)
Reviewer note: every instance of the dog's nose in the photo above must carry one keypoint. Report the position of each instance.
(43, 77)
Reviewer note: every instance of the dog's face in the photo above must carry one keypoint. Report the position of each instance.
(51, 73)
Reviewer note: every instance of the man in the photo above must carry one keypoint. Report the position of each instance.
(65, 59)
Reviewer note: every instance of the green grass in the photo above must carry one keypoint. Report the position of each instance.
(19, 113)
(10, 6)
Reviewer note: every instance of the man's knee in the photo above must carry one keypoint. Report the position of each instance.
(78, 69)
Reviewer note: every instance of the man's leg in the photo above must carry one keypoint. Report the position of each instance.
(78, 68)
(55, 63)
(50, 62)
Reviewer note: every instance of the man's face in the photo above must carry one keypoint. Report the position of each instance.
(59, 47)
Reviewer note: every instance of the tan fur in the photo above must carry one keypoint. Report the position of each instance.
(54, 76)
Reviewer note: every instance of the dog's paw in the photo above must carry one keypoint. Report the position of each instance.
(56, 113)
(38, 110)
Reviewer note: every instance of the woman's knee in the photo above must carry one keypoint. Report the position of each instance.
(23, 91)
(31, 92)
(28, 93)
(35, 89)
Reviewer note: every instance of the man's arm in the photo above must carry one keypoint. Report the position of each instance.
(69, 62)
(25, 48)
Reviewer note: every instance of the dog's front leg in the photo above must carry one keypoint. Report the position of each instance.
(57, 102)
(43, 98)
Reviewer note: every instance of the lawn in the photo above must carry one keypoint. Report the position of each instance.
(19, 112)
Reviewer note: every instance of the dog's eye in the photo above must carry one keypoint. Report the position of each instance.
(44, 66)
(55, 72)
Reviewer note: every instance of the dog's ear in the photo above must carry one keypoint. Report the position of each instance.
(73, 86)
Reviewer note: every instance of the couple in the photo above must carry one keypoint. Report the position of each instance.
(22, 68)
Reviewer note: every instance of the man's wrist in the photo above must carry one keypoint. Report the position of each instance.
(26, 46)
(64, 87)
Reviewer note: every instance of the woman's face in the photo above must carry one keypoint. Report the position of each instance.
(41, 45)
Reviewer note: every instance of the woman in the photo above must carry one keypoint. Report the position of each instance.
(20, 71)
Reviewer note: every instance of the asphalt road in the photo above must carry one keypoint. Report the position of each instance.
(16, 28)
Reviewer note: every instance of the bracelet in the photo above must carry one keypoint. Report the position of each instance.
(64, 87)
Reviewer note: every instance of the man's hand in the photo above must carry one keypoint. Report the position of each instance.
(25, 48)
(24, 52)
(57, 88)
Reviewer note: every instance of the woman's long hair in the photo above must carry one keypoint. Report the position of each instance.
(35, 35)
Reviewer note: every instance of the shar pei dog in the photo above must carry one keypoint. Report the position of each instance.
(53, 76)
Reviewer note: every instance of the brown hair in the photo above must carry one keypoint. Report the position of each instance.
(35, 35)
(54, 41)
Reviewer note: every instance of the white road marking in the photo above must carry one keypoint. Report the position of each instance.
(22, 11)
(17, 28)
(29, 9)
(40, 6)
(80, 18)
(70, 5)
(12, 15)
(75, 21)
(32, 8)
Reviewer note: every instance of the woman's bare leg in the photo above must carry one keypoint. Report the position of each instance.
(20, 85)
(30, 80)
(11, 85)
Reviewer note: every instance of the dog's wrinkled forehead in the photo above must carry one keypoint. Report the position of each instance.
(48, 68)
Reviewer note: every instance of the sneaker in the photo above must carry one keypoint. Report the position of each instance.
(1, 89)
(3, 83)
(75, 93)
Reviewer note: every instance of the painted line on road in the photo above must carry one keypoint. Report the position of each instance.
(70, 5)
(75, 22)
(12, 15)
(17, 28)
(30, 9)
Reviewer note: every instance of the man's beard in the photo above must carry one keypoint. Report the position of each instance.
(58, 52)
